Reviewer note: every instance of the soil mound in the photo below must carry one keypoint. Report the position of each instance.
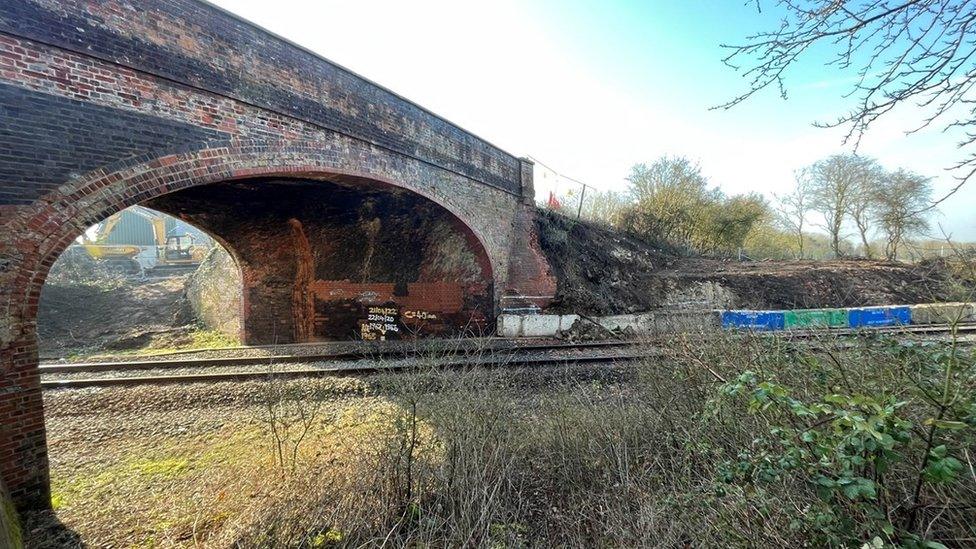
(76, 318)
(601, 271)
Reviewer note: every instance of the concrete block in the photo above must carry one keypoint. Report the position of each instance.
(687, 321)
(753, 320)
(540, 325)
(515, 325)
(640, 323)
(943, 313)
(872, 317)
(616, 322)
(509, 325)
(566, 322)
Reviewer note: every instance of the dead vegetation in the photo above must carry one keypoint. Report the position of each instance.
(732, 442)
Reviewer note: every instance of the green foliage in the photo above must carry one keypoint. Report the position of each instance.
(165, 468)
(766, 241)
(328, 538)
(855, 446)
(672, 202)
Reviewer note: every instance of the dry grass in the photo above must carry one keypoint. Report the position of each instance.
(611, 457)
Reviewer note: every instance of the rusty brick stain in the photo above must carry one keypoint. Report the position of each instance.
(303, 306)
(372, 230)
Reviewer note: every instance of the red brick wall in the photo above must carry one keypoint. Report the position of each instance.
(317, 255)
(104, 107)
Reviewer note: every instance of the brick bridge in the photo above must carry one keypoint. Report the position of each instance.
(351, 211)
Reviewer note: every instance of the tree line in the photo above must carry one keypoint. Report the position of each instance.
(849, 190)
(671, 201)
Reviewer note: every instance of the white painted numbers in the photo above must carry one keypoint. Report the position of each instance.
(383, 321)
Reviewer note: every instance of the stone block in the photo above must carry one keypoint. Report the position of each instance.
(540, 325)
(943, 313)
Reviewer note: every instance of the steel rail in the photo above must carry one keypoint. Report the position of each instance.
(338, 371)
(55, 368)
(454, 358)
(149, 364)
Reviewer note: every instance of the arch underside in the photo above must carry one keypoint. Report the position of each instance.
(342, 258)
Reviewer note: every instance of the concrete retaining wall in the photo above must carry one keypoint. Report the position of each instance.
(642, 323)
(659, 322)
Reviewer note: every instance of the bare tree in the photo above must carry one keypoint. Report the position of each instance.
(900, 51)
(792, 208)
(836, 182)
(600, 206)
(863, 206)
(900, 200)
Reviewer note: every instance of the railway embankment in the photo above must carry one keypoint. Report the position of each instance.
(604, 272)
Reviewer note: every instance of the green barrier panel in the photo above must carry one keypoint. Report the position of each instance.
(816, 318)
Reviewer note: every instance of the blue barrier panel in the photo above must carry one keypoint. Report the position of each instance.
(879, 316)
(753, 320)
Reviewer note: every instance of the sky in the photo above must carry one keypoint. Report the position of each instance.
(591, 88)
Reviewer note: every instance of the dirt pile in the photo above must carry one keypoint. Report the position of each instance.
(85, 317)
(213, 293)
(586, 329)
(601, 272)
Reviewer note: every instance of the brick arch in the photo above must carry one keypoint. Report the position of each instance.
(59, 217)
(41, 231)
(242, 215)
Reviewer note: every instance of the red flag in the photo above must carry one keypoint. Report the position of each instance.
(553, 202)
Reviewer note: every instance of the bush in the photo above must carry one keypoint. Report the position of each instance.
(737, 442)
(672, 202)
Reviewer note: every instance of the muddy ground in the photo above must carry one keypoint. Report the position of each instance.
(600, 272)
(82, 318)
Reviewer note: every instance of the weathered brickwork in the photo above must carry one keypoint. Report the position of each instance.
(48, 138)
(110, 103)
(196, 44)
(317, 257)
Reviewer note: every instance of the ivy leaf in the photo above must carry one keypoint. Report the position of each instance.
(941, 470)
(860, 487)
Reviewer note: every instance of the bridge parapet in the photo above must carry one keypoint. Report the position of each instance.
(204, 47)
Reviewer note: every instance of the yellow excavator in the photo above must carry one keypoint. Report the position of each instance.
(169, 252)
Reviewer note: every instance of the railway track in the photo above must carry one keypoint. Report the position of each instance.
(359, 362)
(66, 368)
(351, 370)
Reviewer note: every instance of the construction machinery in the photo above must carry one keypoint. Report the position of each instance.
(136, 241)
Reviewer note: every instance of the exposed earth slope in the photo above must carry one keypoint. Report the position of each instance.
(601, 271)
